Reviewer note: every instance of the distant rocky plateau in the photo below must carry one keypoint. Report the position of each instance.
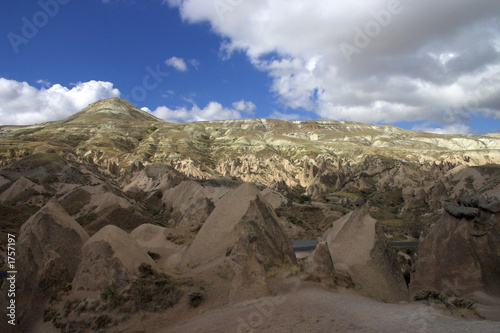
(127, 223)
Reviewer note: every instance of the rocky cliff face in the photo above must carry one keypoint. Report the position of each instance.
(461, 253)
(48, 254)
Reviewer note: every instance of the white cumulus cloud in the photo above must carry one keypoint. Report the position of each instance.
(22, 104)
(177, 63)
(449, 129)
(367, 60)
(284, 116)
(244, 106)
(212, 111)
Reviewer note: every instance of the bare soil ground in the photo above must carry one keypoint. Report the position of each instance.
(306, 307)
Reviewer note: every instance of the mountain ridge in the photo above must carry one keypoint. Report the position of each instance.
(113, 131)
(110, 108)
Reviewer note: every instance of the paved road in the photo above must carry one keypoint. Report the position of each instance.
(406, 243)
(307, 245)
(304, 245)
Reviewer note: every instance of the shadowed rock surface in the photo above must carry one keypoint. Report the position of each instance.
(49, 250)
(461, 253)
(110, 256)
(241, 212)
(359, 249)
(320, 265)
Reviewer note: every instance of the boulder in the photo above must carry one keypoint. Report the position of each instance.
(461, 212)
(109, 257)
(359, 249)
(360, 201)
(49, 251)
(470, 201)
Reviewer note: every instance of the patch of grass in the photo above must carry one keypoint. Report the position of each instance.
(225, 271)
(176, 238)
(192, 265)
(344, 194)
(151, 129)
(272, 274)
(383, 214)
(391, 199)
(392, 222)
(290, 268)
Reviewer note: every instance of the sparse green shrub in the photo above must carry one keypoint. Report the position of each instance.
(176, 238)
(428, 294)
(469, 179)
(109, 292)
(469, 182)
(304, 198)
(463, 303)
(196, 298)
(415, 234)
(151, 129)
(157, 210)
(294, 269)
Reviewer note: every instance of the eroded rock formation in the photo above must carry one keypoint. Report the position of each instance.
(461, 253)
(359, 249)
(49, 250)
(239, 213)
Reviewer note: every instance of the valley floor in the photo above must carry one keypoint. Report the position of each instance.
(308, 307)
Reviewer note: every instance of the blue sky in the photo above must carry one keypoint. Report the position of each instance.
(417, 65)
